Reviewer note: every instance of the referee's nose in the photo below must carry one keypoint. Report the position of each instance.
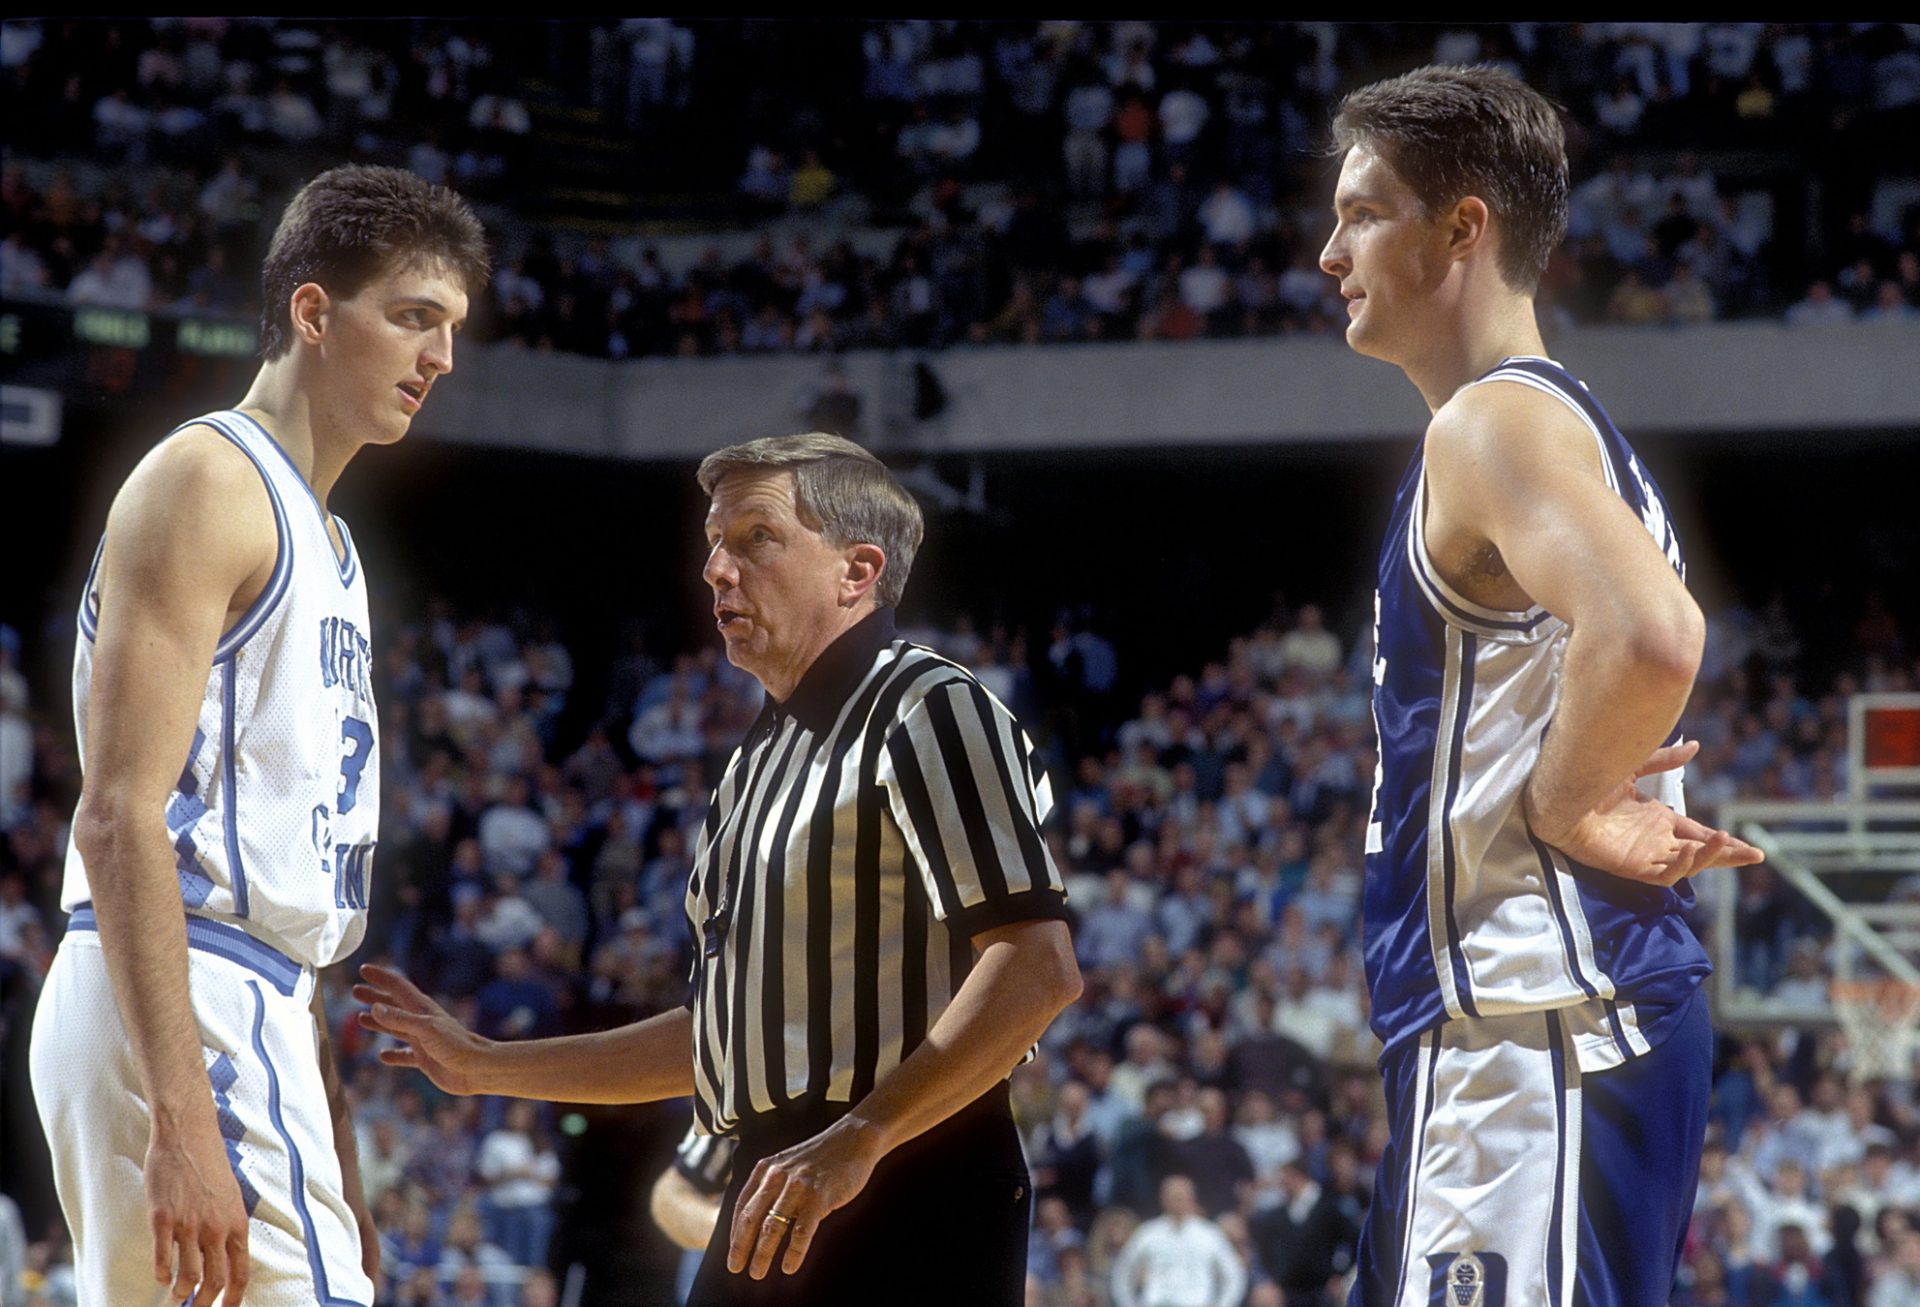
(720, 572)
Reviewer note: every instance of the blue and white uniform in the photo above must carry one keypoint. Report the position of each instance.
(1518, 995)
(273, 823)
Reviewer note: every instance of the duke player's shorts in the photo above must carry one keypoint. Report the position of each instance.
(258, 1043)
(1515, 1180)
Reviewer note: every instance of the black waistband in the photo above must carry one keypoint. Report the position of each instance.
(784, 1127)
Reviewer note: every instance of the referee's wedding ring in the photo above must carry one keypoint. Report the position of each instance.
(776, 1216)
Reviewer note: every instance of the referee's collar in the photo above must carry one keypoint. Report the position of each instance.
(824, 688)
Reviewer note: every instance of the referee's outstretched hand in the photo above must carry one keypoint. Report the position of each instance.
(451, 1055)
(790, 1193)
(1636, 837)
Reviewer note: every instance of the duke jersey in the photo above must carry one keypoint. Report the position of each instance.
(274, 818)
(1466, 913)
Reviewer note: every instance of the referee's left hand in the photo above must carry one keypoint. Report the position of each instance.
(805, 1183)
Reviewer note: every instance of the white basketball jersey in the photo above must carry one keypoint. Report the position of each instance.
(277, 809)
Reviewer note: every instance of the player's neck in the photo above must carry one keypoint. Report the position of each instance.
(286, 409)
(1497, 327)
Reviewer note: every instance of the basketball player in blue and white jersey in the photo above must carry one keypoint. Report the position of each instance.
(1547, 1047)
(227, 821)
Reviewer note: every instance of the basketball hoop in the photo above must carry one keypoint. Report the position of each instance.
(1881, 1019)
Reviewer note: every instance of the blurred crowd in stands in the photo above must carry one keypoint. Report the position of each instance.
(985, 182)
(1208, 1107)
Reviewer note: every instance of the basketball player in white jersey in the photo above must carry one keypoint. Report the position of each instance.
(227, 821)
(1547, 1049)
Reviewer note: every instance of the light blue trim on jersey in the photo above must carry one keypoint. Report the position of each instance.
(223, 941)
(324, 1297)
(90, 611)
(231, 808)
(352, 568)
(184, 812)
(277, 584)
(222, 1075)
(349, 566)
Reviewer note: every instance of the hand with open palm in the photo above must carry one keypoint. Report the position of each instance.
(1630, 835)
(452, 1056)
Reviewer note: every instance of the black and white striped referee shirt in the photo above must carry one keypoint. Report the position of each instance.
(865, 831)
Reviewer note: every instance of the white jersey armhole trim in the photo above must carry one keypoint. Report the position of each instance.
(280, 581)
(1455, 609)
(346, 567)
(89, 610)
(1521, 377)
(261, 608)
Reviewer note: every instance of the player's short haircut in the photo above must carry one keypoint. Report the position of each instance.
(352, 224)
(839, 490)
(1451, 132)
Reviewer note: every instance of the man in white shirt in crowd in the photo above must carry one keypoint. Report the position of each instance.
(1310, 646)
(1180, 1259)
(1900, 1284)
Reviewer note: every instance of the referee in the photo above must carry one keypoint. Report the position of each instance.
(880, 932)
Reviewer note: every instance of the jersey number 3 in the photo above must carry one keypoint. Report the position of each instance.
(356, 745)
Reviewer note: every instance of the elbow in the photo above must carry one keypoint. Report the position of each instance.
(102, 825)
(1067, 985)
(1667, 648)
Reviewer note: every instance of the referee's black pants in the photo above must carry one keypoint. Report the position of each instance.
(943, 1221)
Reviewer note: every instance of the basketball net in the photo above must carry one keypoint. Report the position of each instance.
(1881, 1019)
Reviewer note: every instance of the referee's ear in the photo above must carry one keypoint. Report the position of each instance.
(864, 565)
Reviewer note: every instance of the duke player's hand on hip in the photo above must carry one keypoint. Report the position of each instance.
(1636, 837)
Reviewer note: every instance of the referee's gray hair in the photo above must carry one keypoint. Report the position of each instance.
(839, 490)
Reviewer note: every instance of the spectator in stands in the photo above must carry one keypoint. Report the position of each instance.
(512, 834)
(562, 907)
(1820, 308)
(1899, 1283)
(1889, 305)
(521, 1170)
(1304, 1239)
(116, 278)
(1178, 1259)
(812, 183)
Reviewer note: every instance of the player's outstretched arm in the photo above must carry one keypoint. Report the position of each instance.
(1517, 470)
(189, 543)
(638, 1063)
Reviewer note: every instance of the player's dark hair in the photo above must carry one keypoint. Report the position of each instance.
(1451, 132)
(350, 225)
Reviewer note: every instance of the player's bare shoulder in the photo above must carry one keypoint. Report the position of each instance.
(1494, 450)
(195, 505)
(1497, 429)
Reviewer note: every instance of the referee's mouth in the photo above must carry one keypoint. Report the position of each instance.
(725, 617)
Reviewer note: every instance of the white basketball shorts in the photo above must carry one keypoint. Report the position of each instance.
(258, 1042)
